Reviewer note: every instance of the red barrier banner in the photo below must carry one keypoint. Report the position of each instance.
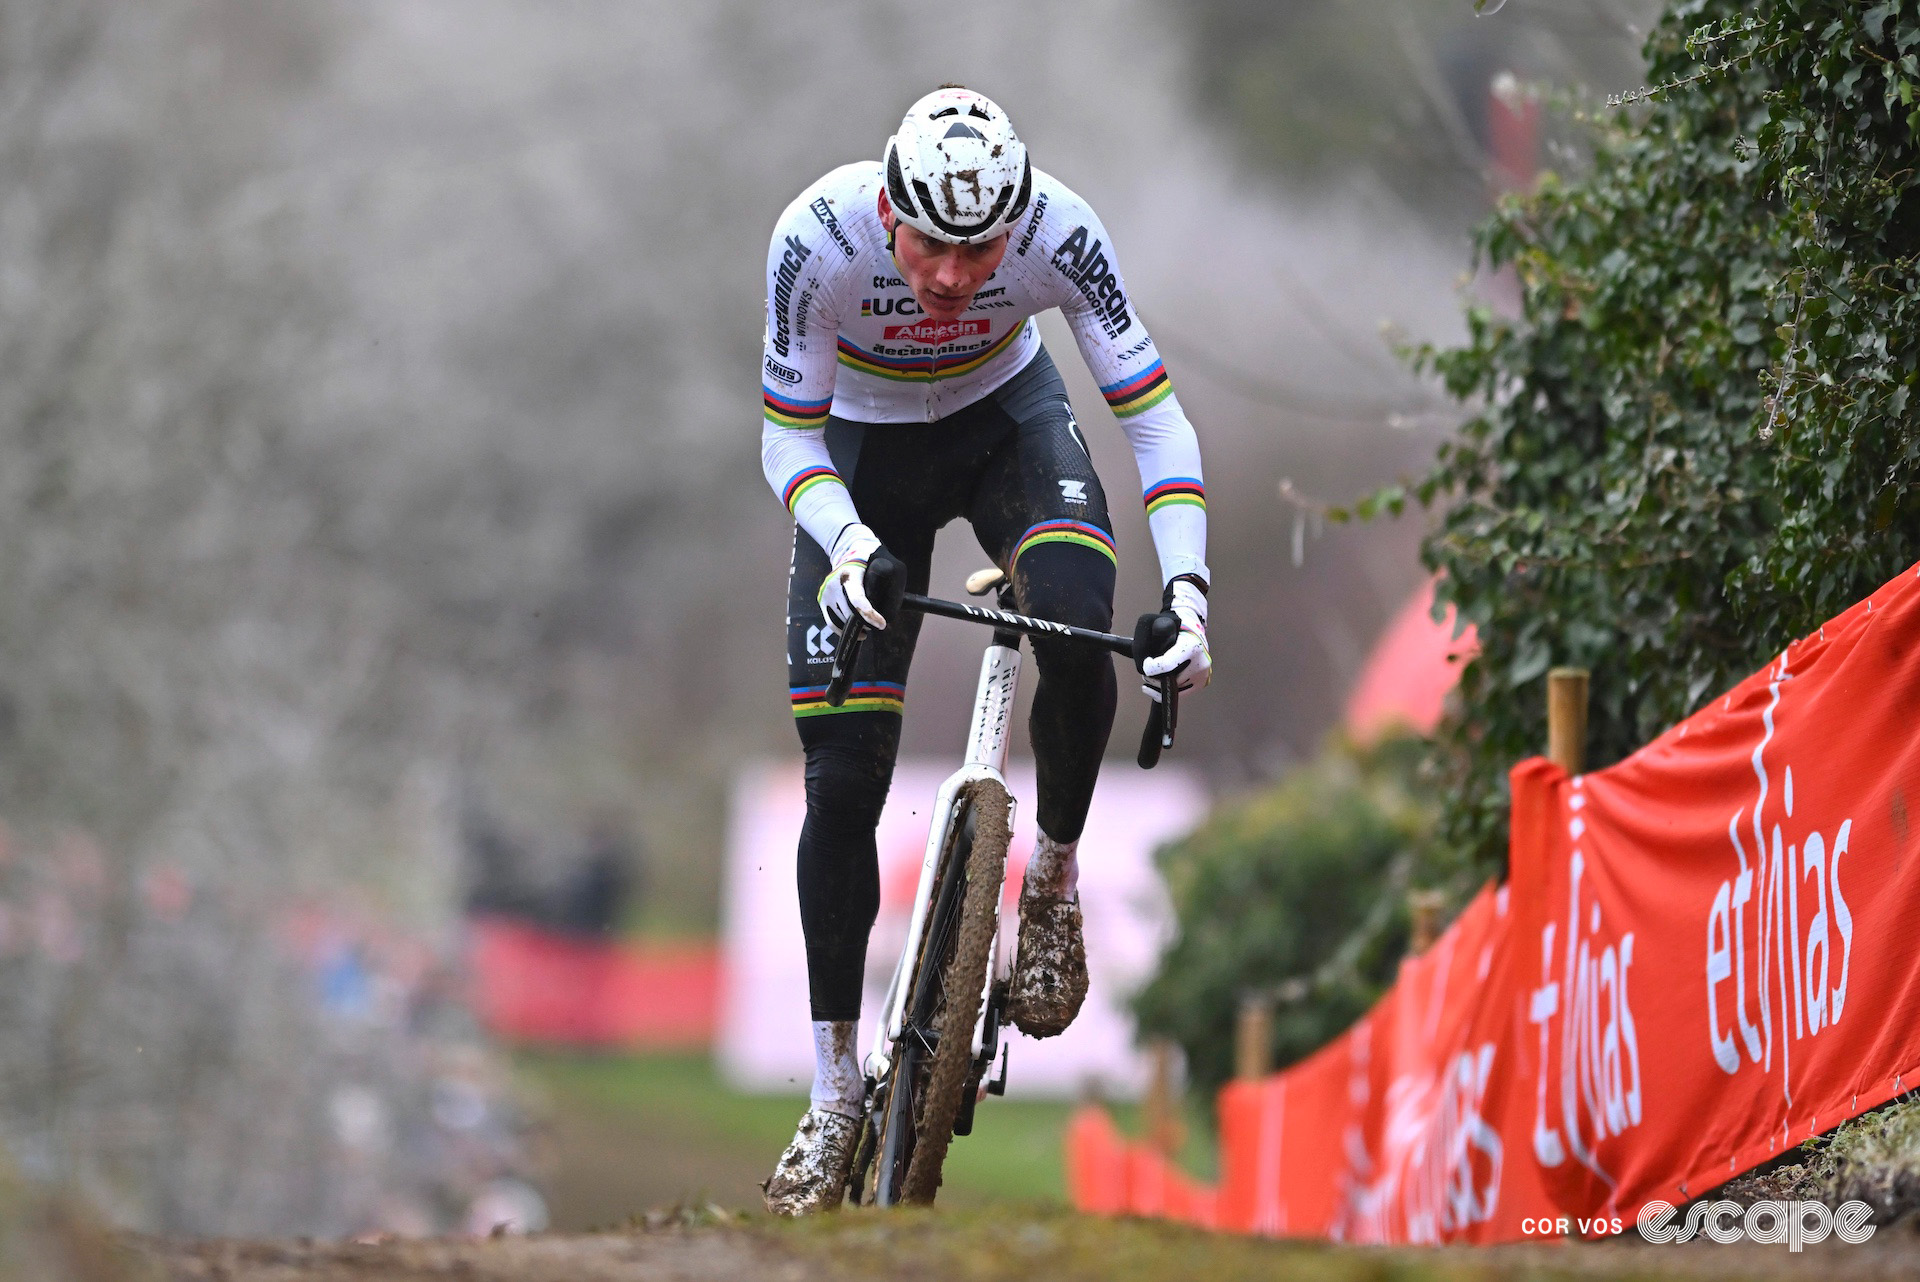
(1398, 1130)
(1705, 954)
(534, 986)
(1276, 1137)
(1716, 937)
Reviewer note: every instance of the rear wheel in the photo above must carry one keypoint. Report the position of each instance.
(915, 1109)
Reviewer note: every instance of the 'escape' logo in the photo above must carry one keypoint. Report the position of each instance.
(1765, 1221)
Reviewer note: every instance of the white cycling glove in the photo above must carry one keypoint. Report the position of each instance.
(1189, 656)
(843, 593)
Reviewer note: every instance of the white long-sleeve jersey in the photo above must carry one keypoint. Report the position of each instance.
(845, 336)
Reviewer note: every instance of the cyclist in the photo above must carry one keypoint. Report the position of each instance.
(905, 384)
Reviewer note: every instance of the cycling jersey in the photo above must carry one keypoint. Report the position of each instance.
(845, 337)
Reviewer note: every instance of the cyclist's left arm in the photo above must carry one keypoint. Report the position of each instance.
(1121, 355)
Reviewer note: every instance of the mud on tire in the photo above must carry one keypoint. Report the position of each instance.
(962, 982)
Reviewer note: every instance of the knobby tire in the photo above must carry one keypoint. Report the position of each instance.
(896, 1104)
(962, 989)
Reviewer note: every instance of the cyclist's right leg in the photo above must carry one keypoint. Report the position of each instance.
(849, 764)
(849, 753)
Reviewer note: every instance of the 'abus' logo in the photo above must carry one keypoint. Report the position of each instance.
(930, 332)
(776, 370)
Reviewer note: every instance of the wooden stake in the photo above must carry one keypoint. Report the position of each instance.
(1423, 913)
(1162, 1105)
(1253, 1038)
(1567, 718)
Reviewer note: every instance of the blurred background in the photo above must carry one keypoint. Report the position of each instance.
(390, 599)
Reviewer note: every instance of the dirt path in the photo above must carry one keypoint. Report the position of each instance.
(1023, 1243)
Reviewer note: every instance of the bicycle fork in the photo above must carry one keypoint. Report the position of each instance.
(987, 743)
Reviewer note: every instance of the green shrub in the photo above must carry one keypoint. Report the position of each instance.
(1299, 890)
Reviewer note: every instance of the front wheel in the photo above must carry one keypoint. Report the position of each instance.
(915, 1108)
(962, 988)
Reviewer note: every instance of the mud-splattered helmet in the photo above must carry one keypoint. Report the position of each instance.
(955, 170)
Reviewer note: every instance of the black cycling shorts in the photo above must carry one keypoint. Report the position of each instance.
(1013, 463)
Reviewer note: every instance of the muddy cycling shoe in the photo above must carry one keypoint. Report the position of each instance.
(812, 1174)
(1050, 964)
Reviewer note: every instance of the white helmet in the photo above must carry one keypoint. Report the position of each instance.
(955, 170)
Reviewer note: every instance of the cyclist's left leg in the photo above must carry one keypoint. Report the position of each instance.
(1042, 513)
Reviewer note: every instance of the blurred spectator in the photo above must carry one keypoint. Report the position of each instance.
(603, 886)
(597, 891)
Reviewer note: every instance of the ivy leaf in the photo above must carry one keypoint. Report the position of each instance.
(1531, 660)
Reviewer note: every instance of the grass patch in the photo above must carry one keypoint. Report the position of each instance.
(634, 1132)
(1875, 1158)
(985, 1244)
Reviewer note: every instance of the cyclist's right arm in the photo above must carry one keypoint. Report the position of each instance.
(796, 376)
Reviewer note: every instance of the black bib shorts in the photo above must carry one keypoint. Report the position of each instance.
(1016, 467)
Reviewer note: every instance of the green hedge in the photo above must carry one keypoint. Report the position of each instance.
(1696, 441)
(1300, 889)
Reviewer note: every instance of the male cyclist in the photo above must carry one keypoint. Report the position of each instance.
(905, 385)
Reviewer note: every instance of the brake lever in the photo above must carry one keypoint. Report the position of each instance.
(1155, 634)
(844, 656)
(886, 584)
(1162, 719)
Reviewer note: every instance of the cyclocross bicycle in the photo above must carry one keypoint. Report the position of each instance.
(939, 1032)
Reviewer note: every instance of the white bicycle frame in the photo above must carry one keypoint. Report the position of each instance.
(987, 742)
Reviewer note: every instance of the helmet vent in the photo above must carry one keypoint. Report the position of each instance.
(897, 185)
(958, 130)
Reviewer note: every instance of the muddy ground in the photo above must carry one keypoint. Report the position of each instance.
(977, 1246)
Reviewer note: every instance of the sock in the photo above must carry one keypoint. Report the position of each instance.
(838, 1085)
(1054, 871)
